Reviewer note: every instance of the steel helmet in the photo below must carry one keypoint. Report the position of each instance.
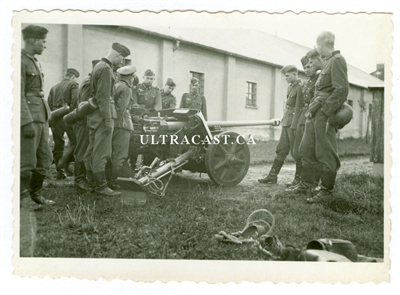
(342, 117)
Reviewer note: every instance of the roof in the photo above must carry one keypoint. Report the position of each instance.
(247, 44)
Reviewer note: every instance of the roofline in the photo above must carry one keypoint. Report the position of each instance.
(147, 32)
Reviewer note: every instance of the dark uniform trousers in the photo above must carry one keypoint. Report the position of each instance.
(82, 139)
(58, 129)
(296, 142)
(120, 146)
(286, 144)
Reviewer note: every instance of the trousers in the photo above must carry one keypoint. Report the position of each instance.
(35, 155)
(318, 147)
(82, 141)
(297, 140)
(100, 147)
(120, 146)
(286, 144)
(58, 129)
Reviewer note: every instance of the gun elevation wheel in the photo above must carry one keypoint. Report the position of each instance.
(228, 161)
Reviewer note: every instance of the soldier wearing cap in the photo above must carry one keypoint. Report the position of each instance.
(35, 154)
(331, 90)
(294, 103)
(194, 99)
(168, 100)
(101, 121)
(64, 93)
(81, 131)
(147, 95)
(123, 124)
(310, 174)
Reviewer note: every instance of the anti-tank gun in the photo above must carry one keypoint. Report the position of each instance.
(165, 142)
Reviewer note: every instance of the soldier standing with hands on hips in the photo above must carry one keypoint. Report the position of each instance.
(35, 154)
(101, 121)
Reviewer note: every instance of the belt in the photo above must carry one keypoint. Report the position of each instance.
(323, 94)
(37, 93)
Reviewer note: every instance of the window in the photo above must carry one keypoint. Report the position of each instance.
(199, 76)
(251, 94)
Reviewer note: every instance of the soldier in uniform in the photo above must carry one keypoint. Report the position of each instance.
(101, 121)
(82, 135)
(168, 100)
(310, 175)
(123, 125)
(294, 104)
(62, 94)
(35, 154)
(331, 90)
(147, 95)
(194, 99)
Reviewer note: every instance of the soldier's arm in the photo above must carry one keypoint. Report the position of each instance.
(103, 93)
(204, 107)
(74, 96)
(299, 105)
(340, 84)
(26, 116)
(158, 102)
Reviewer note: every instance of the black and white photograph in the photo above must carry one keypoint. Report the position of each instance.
(197, 146)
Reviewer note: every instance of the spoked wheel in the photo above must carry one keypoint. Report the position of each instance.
(228, 161)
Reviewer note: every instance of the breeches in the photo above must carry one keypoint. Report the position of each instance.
(285, 144)
(120, 146)
(82, 141)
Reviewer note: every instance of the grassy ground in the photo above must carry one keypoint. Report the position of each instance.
(182, 225)
(264, 152)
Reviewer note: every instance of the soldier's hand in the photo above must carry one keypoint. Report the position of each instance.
(28, 130)
(308, 115)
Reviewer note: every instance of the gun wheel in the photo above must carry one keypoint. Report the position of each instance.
(227, 162)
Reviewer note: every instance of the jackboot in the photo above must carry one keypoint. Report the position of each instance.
(67, 170)
(272, 177)
(25, 198)
(297, 176)
(116, 172)
(80, 179)
(90, 180)
(36, 186)
(306, 183)
(101, 185)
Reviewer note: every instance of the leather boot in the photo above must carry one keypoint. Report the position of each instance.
(36, 186)
(306, 183)
(113, 184)
(272, 177)
(67, 170)
(90, 179)
(328, 182)
(101, 185)
(80, 179)
(297, 176)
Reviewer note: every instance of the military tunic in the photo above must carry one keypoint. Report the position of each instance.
(168, 100)
(148, 97)
(294, 103)
(194, 101)
(101, 121)
(331, 92)
(123, 124)
(35, 153)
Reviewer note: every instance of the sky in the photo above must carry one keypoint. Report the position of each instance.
(364, 39)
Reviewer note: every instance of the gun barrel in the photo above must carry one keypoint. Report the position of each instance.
(272, 122)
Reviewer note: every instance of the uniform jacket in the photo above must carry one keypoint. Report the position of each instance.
(333, 82)
(33, 107)
(63, 93)
(149, 97)
(308, 95)
(294, 104)
(123, 101)
(85, 91)
(168, 100)
(102, 85)
(191, 101)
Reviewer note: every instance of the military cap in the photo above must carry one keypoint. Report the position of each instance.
(194, 81)
(35, 32)
(126, 70)
(170, 82)
(123, 50)
(95, 62)
(289, 68)
(73, 72)
(304, 60)
(149, 73)
(313, 53)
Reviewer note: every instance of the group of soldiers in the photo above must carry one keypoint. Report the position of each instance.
(307, 131)
(99, 143)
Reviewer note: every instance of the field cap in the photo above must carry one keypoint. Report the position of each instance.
(36, 32)
(194, 81)
(122, 49)
(170, 82)
(73, 72)
(149, 73)
(289, 68)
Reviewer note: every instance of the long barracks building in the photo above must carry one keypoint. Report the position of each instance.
(239, 70)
